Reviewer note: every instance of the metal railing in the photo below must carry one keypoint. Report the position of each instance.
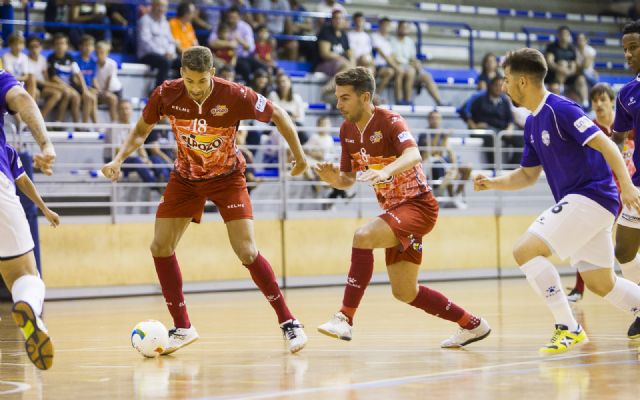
(78, 187)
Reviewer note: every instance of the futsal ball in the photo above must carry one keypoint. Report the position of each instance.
(150, 338)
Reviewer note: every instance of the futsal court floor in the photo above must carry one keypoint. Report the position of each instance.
(394, 354)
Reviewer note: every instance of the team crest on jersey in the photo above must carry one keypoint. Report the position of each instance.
(219, 110)
(203, 143)
(376, 137)
(546, 138)
(632, 101)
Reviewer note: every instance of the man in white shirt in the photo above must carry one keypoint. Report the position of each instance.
(359, 40)
(16, 63)
(156, 45)
(53, 93)
(106, 80)
(384, 62)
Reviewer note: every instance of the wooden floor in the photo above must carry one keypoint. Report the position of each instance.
(394, 353)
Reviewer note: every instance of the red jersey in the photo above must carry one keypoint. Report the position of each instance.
(206, 133)
(627, 149)
(383, 140)
(263, 50)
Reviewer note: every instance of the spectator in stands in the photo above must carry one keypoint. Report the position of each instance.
(446, 166)
(156, 46)
(561, 58)
(275, 23)
(359, 40)
(62, 71)
(88, 68)
(17, 63)
(265, 49)
(224, 52)
(249, 172)
(161, 153)
(241, 33)
(106, 81)
(554, 87)
(384, 62)
(139, 161)
(319, 148)
(52, 93)
(334, 52)
(493, 111)
(403, 50)
(181, 27)
(227, 73)
(212, 17)
(585, 60)
(260, 82)
(299, 26)
(634, 11)
(291, 102)
(88, 13)
(124, 15)
(56, 11)
(489, 70)
(329, 6)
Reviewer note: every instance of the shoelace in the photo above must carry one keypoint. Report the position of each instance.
(288, 331)
(556, 335)
(173, 332)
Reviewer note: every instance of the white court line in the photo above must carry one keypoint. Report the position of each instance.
(19, 387)
(403, 380)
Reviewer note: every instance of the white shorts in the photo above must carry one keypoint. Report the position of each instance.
(577, 228)
(15, 234)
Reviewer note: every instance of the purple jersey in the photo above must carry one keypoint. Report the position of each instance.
(15, 164)
(555, 136)
(628, 118)
(7, 81)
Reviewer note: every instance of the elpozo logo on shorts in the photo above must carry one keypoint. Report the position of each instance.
(203, 143)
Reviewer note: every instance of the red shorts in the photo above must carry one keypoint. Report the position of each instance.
(410, 221)
(185, 199)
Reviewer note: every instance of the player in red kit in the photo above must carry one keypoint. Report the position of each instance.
(204, 112)
(377, 145)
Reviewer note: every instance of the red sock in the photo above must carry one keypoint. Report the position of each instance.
(579, 283)
(170, 279)
(262, 274)
(359, 277)
(435, 303)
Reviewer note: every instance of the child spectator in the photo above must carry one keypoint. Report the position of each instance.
(53, 93)
(62, 70)
(17, 64)
(88, 67)
(106, 80)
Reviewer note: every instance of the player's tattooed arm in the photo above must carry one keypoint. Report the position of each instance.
(21, 102)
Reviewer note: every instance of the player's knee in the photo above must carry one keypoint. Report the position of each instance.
(247, 254)
(159, 249)
(601, 287)
(404, 294)
(363, 238)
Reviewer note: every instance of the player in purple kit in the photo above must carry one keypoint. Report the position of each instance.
(627, 118)
(577, 158)
(17, 263)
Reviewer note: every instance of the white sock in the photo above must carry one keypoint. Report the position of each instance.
(631, 270)
(30, 289)
(545, 281)
(626, 296)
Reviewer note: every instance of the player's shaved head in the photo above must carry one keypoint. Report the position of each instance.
(526, 61)
(197, 58)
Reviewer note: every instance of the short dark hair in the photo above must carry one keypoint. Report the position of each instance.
(631, 27)
(233, 9)
(32, 39)
(183, 8)
(564, 28)
(87, 39)
(357, 15)
(360, 78)
(384, 19)
(601, 88)
(59, 36)
(197, 58)
(526, 61)
(261, 28)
